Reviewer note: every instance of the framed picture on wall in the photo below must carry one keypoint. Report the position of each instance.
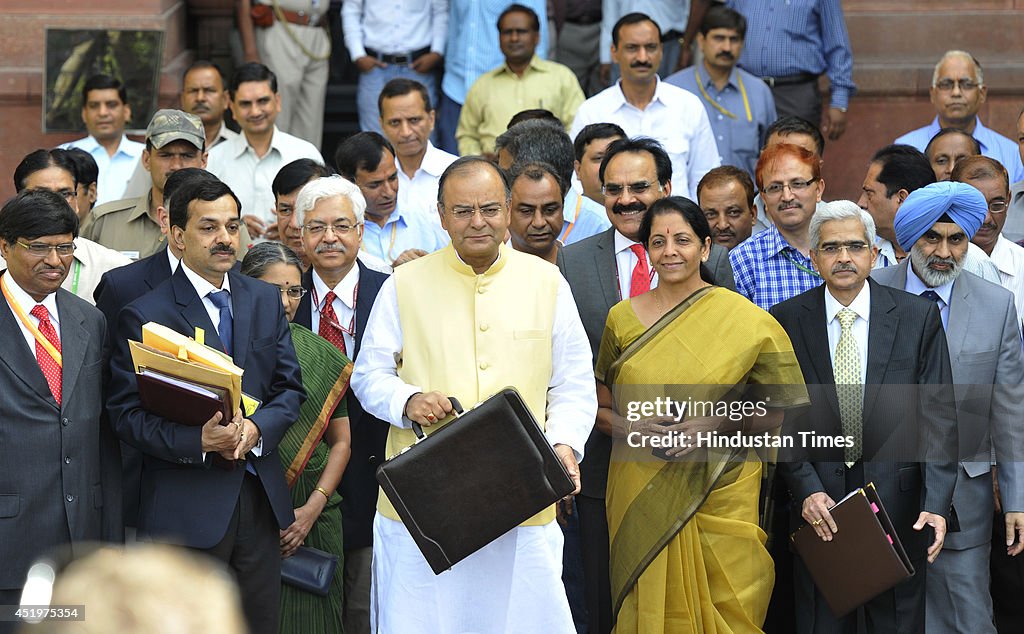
(75, 55)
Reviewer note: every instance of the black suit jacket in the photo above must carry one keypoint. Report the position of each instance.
(589, 267)
(901, 427)
(358, 486)
(59, 479)
(184, 499)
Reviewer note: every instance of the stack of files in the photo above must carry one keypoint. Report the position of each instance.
(864, 558)
(182, 380)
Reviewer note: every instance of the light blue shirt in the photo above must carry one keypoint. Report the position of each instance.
(798, 36)
(993, 145)
(114, 171)
(591, 220)
(739, 139)
(916, 287)
(472, 47)
(401, 232)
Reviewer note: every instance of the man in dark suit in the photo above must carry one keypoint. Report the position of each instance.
(602, 270)
(984, 342)
(232, 514)
(861, 347)
(55, 445)
(118, 288)
(341, 291)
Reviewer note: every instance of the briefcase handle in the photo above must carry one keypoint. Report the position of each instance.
(418, 429)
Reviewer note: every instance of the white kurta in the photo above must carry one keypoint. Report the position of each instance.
(514, 583)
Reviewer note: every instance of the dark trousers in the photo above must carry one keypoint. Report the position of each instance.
(596, 553)
(779, 619)
(899, 610)
(251, 549)
(447, 121)
(9, 598)
(802, 100)
(1007, 582)
(572, 568)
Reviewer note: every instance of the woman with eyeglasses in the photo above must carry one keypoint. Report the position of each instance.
(687, 554)
(315, 450)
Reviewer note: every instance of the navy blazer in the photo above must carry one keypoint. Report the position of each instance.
(358, 488)
(123, 285)
(184, 499)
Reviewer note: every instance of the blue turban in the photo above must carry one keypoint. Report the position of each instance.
(923, 208)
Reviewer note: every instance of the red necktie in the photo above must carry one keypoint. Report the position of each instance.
(49, 366)
(640, 282)
(329, 328)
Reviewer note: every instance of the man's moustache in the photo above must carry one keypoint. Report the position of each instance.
(844, 267)
(333, 247)
(621, 209)
(640, 65)
(222, 248)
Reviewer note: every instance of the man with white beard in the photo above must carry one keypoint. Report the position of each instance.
(935, 224)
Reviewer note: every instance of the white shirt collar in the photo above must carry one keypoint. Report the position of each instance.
(433, 161)
(202, 286)
(621, 96)
(861, 304)
(1002, 256)
(174, 260)
(622, 243)
(25, 300)
(242, 143)
(345, 290)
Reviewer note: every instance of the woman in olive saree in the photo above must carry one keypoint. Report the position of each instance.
(687, 554)
(314, 450)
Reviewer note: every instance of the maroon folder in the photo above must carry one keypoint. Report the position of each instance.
(864, 559)
(181, 401)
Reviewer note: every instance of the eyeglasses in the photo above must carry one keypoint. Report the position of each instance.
(318, 228)
(998, 206)
(614, 190)
(833, 249)
(293, 292)
(42, 250)
(465, 213)
(774, 189)
(946, 85)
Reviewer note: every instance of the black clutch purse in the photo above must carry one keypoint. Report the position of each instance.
(310, 569)
(473, 480)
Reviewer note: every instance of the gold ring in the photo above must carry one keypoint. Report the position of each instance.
(816, 522)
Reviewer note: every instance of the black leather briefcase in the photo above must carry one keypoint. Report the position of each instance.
(473, 480)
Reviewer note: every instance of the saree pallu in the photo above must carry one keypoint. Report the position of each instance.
(325, 376)
(687, 554)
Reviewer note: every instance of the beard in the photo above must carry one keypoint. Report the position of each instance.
(930, 276)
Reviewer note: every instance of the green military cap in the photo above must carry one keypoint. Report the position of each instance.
(174, 125)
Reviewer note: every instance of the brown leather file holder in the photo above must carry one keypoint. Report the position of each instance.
(864, 558)
(182, 401)
(474, 479)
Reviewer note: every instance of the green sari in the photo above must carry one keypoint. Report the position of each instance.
(325, 375)
(687, 554)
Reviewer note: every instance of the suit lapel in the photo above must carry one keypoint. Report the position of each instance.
(193, 309)
(19, 358)
(242, 310)
(606, 267)
(959, 316)
(74, 341)
(881, 336)
(815, 334)
(364, 302)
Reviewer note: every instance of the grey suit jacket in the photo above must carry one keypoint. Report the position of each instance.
(56, 459)
(988, 369)
(589, 267)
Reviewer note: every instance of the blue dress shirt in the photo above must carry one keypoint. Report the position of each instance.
(993, 145)
(401, 232)
(768, 270)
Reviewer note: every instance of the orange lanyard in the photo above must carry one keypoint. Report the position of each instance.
(568, 230)
(25, 321)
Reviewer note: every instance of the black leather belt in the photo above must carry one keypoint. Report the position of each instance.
(403, 58)
(671, 35)
(790, 80)
(584, 19)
